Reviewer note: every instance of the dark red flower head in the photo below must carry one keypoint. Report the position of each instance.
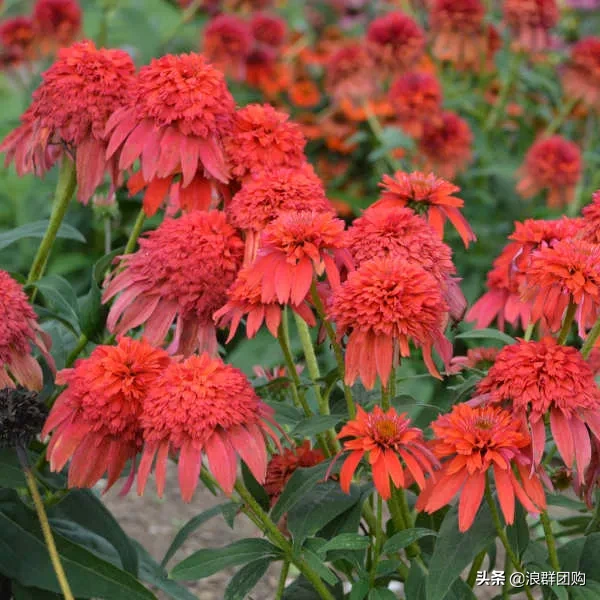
(58, 21)
(530, 22)
(348, 73)
(269, 30)
(590, 226)
(17, 39)
(465, 16)
(227, 42)
(581, 76)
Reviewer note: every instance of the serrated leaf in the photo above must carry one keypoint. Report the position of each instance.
(38, 230)
(487, 334)
(243, 582)
(405, 538)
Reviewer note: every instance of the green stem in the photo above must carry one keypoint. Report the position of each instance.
(64, 192)
(550, 541)
(135, 232)
(587, 145)
(377, 131)
(378, 541)
(507, 573)
(567, 323)
(529, 331)
(385, 396)
(81, 343)
(402, 519)
(500, 105)
(561, 116)
(285, 568)
(186, 16)
(477, 562)
(591, 339)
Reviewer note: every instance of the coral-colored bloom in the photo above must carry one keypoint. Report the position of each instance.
(180, 273)
(476, 358)
(57, 21)
(530, 22)
(227, 42)
(264, 197)
(590, 226)
(203, 406)
(177, 114)
(96, 419)
(79, 93)
(395, 42)
(581, 75)
(426, 194)
(304, 93)
(474, 441)
(446, 145)
(554, 164)
(17, 38)
(268, 30)
(19, 329)
(263, 138)
(537, 378)
(388, 439)
(384, 304)
(348, 73)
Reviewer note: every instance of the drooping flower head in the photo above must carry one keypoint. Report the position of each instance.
(22, 416)
(533, 379)
(268, 30)
(472, 442)
(227, 42)
(348, 73)
(416, 97)
(178, 113)
(395, 42)
(19, 329)
(426, 194)
(17, 41)
(180, 274)
(96, 419)
(383, 305)
(389, 440)
(590, 227)
(263, 138)
(78, 94)
(530, 22)
(476, 358)
(203, 406)
(552, 164)
(57, 21)
(581, 75)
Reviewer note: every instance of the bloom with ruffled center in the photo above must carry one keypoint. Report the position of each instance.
(471, 442)
(581, 75)
(79, 93)
(17, 40)
(202, 405)
(180, 273)
(95, 420)
(348, 73)
(383, 305)
(263, 138)
(552, 164)
(268, 30)
(459, 36)
(530, 22)
(227, 42)
(178, 112)
(415, 97)
(476, 358)
(446, 145)
(293, 249)
(264, 197)
(395, 42)
(537, 378)
(19, 329)
(426, 194)
(590, 227)
(389, 441)
(57, 21)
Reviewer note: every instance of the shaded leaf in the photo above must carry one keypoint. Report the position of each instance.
(405, 538)
(487, 334)
(242, 583)
(37, 230)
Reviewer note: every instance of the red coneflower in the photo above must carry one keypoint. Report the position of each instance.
(446, 145)
(476, 358)
(581, 75)
(17, 39)
(79, 93)
(590, 226)
(180, 273)
(348, 73)
(96, 419)
(264, 197)
(416, 97)
(19, 329)
(383, 305)
(533, 379)
(395, 42)
(202, 405)
(263, 138)
(471, 442)
(552, 164)
(57, 22)
(388, 439)
(458, 32)
(178, 112)
(269, 30)
(226, 42)
(530, 22)
(426, 194)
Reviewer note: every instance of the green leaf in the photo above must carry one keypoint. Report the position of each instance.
(20, 592)
(192, 525)
(314, 425)
(405, 538)
(487, 334)
(60, 298)
(359, 590)
(346, 541)
(454, 550)
(11, 473)
(324, 572)
(589, 591)
(243, 582)
(302, 589)
(415, 585)
(569, 555)
(258, 491)
(518, 532)
(589, 562)
(381, 593)
(206, 562)
(37, 230)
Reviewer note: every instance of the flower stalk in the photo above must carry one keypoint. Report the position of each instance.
(550, 540)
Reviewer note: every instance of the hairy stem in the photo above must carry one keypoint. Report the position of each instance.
(567, 323)
(285, 569)
(135, 232)
(550, 541)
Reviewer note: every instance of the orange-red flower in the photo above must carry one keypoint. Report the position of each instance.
(304, 93)
(476, 358)
(552, 164)
(227, 42)
(383, 305)
(530, 22)
(180, 274)
(263, 138)
(590, 226)
(348, 73)
(581, 75)
(426, 194)
(177, 114)
(19, 329)
(471, 442)
(57, 22)
(96, 419)
(79, 93)
(389, 441)
(533, 379)
(268, 30)
(203, 406)
(17, 40)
